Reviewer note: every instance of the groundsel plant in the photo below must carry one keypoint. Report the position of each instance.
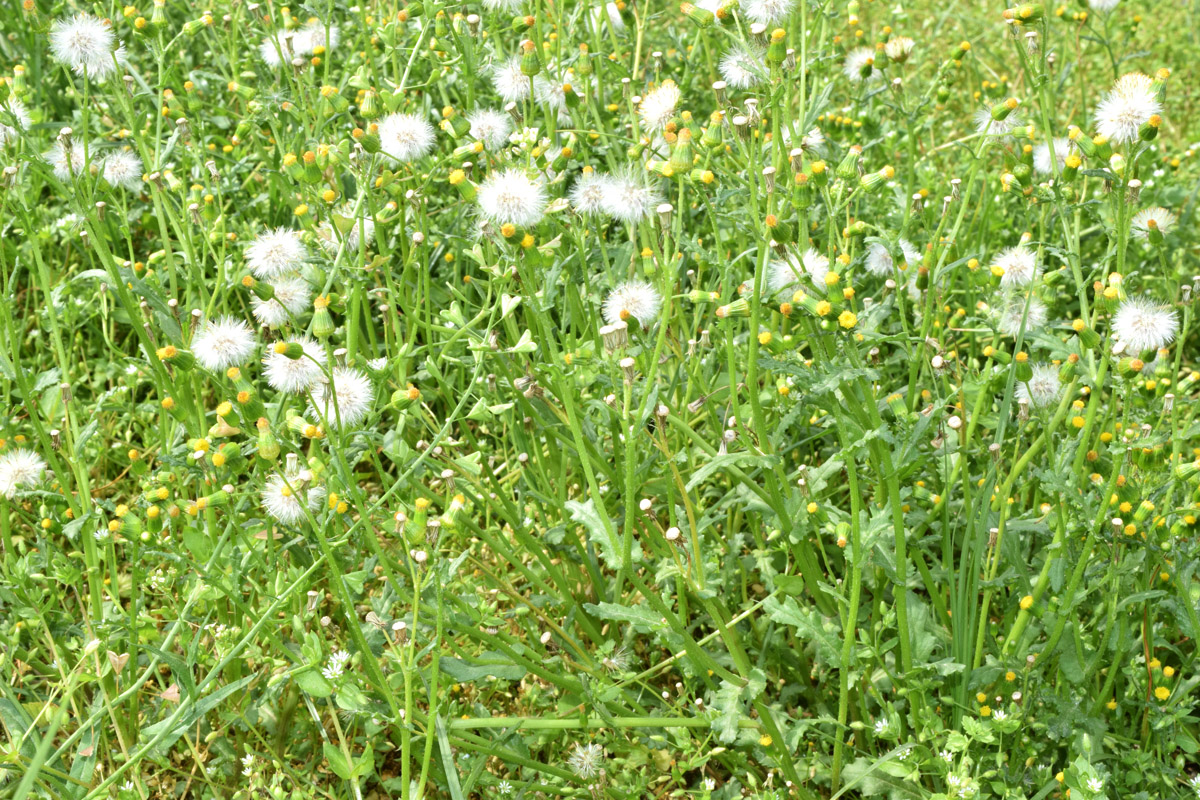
(708, 399)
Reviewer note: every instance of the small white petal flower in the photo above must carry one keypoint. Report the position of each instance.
(628, 197)
(585, 760)
(511, 84)
(349, 401)
(336, 665)
(295, 375)
(587, 195)
(658, 106)
(85, 44)
(19, 468)
(491, 127)
(123, 168)
(879, 260)
(880, 725)
(222, 343)
(1041, 155)
(1152, 218)
(1039, 391)
(1142, 324)
(768, 12)
(406, 137)
(281, 503)
(292, 296)
(1129, 105)
(636, 299)
(743, 67)
(1019, 264)
(786, 274)
(1095, 784)
(512, 197)
(276, 252)
(859, 65)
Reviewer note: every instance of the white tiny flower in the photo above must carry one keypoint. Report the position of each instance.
(294, 375)
(1141, 324)
(276, 252)
(768, 12)
(1128, 106)
(585, 760)
(491, 127)
(406, 137)
(628, 197)
(292, 296)
(19, 468)
(879, 260)
(1095, 784)
(880, 725)
(1019, 264)
(658, 106)
(504, 788)
(349, 401)
(946, 756)
(1152, 218)
(123, 168)
(1000, 714)
(512, 197)
(1039, 391)
(85, 44)
(743, 67)
(1041, 155)
(587, 195)
(636, 299)
(222, 343)
(336, 665)
(859, 65)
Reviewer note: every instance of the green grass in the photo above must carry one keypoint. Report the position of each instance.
(744, 539)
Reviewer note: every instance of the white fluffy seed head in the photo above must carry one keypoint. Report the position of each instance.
(276, 252)
(491, 127)
(585, 760)
(1129, 105)
(768, 12)
(294, 375)
(65, 162)
(879, 261)
(632, 299)
(786, 274)
(743, 67)
(1142, 324)
(406, 137)
(292, 296)
(280, 501)
(1019, 264)
(1152, 218)
(512, 197)
(1041, 155)
(587, 195)
(511, 84)
(658, 106)
(123, 168)
(13, 111)
(85, 44)
(1012, 316)
(1042, 389)
(274, 49)
(855, 67)
(996, 127)
(347, 402)
(19, 468)
(628, 197)
(223, 343)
